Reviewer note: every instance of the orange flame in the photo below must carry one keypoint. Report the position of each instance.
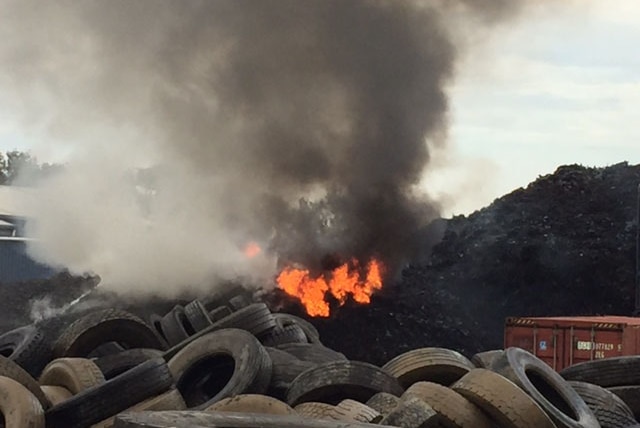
(341, 282)
(252, 249)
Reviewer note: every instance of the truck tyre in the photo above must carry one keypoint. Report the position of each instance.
(314, 410)
(109, 325)
(484, 360)
(630, 394)
(614, 371)
(502, 399)
(27, 347)
(19, 408)
(112, 397)
(310, 331)
(339, 380)
(115, 364)
(174, 419)
(561, 402)
(155, 321)
(238, 302)
(280, 335)
(252, 403)
(285, 368)
(413, 413)
(175, 326)
(56, 394)
(354, 411)
(219, 313)
(312, 352)
(439, 365)
(10, 369)
(221, 364)
(383, 402)
(608, 408)
(455, 410)
(74, 374)
(197, 315)
(170, 400)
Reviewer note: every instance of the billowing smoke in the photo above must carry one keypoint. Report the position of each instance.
(197, 127)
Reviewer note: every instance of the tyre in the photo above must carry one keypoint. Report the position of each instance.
(112, 397)
(412, 412)
(97, 328)
(221, 364)
(285, 368)
(383, 402)
(219, 313)
(56, 394)
(74, 374)
(115, 364)
(502, 399)
(27, 347)
(630, 394)
(18, 406)
(171, 419)
(252, 403)
(314, 410)
(310, 331)
(354, 411)
(197, 315)
(438, 365)
(484, 360)
(615, 371)
(103, 350)
(608, 408)
(336, 381)
(170, 400)
(454, 410)
(238, 302)
(561, 402)
(175, 326)
(312, 352)
(10, 369)
(280, 335)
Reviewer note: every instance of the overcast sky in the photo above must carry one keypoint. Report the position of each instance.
(545, 91)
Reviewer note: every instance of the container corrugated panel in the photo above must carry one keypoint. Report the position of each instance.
(564, 341)
(16, 265)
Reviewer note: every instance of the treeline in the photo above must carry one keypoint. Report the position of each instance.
(18, 167)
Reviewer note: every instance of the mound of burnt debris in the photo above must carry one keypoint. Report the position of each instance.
(564, 245)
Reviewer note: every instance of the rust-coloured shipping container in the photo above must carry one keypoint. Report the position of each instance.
(564, 341)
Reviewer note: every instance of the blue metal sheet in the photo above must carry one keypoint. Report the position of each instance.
(16, 265)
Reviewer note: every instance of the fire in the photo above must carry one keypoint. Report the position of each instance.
(346, 280)
(252, 249)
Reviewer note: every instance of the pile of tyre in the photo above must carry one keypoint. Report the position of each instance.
(237, 364)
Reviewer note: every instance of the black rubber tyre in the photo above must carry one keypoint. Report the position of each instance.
(438, 365)
(310, 331)
(615, 371)
(105, 349)
(501, 399)
(238, 302)
(116, 364)
(219, 313)
(10, 369)
(280, 335)
(285, 368)
(609, 409)
(27, 347)
(383, 402)
(175, 326)
(413, 412)
(188, 419)
(630, 394)
(561, 402)
(219, 365)
(312, 352)
(197, 315)
(109, 325)
(120, 393)
(256, 319)
(484, 360)
(336, 381)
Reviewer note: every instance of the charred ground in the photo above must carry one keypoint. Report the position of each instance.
(564, 245)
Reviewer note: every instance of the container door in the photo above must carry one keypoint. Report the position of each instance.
(586, 344)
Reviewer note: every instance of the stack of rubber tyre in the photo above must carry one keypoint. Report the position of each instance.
(234, 363)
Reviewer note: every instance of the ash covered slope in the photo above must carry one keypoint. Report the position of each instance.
(565, 245)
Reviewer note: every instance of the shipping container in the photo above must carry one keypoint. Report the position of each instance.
(564, 341)
(16, 265)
